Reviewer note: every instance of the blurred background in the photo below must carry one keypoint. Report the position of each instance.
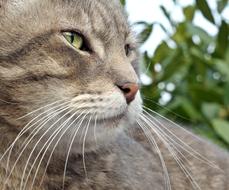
(185, 61)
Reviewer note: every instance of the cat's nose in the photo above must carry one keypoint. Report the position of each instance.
(129, 90)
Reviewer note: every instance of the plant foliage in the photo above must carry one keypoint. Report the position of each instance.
(193, 72)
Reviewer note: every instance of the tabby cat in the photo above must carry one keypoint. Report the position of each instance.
(71, 115)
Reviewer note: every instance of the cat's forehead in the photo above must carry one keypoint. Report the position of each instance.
(98, 17)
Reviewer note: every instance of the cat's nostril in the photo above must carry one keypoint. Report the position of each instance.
(129, 90)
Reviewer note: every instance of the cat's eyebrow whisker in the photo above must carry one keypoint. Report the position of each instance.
(154, 143)
(70, 147)
(182, 144)
(50, 141)
(173, 153)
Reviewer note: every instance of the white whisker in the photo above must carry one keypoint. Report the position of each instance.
(34, 111)
(95, 125)
(39, 140)
(70, 147)
(49, 142)
(173, 153)
(187, 148)
(154, 143)
(22, 151)
(25, 129)
(50, 156)
(83, 148)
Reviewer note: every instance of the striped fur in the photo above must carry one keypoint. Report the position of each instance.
(62, 116)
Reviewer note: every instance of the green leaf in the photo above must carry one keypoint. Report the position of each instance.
(203, 93)
(171, 64)
(221, 4)
(195, 30)
(210, 133)
(148, 65)
(210, 110)
(222, 39)
(161, 52)
(167, 15)
(222, 128)
(145, 34)
(123, 2)
(189, 12)
(190, 110)
(205, 9)
(226, 96)
(181, 34)
(222, 67)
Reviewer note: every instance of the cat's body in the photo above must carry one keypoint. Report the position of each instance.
(63, 101)
(130, 163)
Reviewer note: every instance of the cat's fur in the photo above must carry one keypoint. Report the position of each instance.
(38, 67)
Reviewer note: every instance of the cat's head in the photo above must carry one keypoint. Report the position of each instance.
(68, 63)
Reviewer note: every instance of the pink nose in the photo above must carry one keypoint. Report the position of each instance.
(129, 90)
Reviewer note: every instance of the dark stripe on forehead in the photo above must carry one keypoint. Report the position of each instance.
(32, 78)
(32, 44)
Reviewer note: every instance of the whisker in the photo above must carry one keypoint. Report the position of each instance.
(24, 130)
(56, 133)
(34, 111)
(7, 102)
(154, 143)
(95, 125)
(172, 124)
(83, 148)
(49, 117)
(183, 145)
(22, 151)
(49, 159)
(49, 142)
(70, 147)
(164, 108)
(173, 153)
(39, 140)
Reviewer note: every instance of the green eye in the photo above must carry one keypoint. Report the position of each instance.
(76, 40)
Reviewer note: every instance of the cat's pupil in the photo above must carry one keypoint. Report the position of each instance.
(72, 38)
(127, 49)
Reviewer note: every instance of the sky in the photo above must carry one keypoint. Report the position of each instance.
(148, 10)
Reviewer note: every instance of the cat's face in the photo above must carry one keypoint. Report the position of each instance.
(69, 57)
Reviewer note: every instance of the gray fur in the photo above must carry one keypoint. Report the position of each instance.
(38, 67)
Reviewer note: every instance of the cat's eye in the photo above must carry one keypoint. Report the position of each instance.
(76, 40)
(128, 49)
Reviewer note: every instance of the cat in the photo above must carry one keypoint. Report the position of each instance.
(71, 114)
